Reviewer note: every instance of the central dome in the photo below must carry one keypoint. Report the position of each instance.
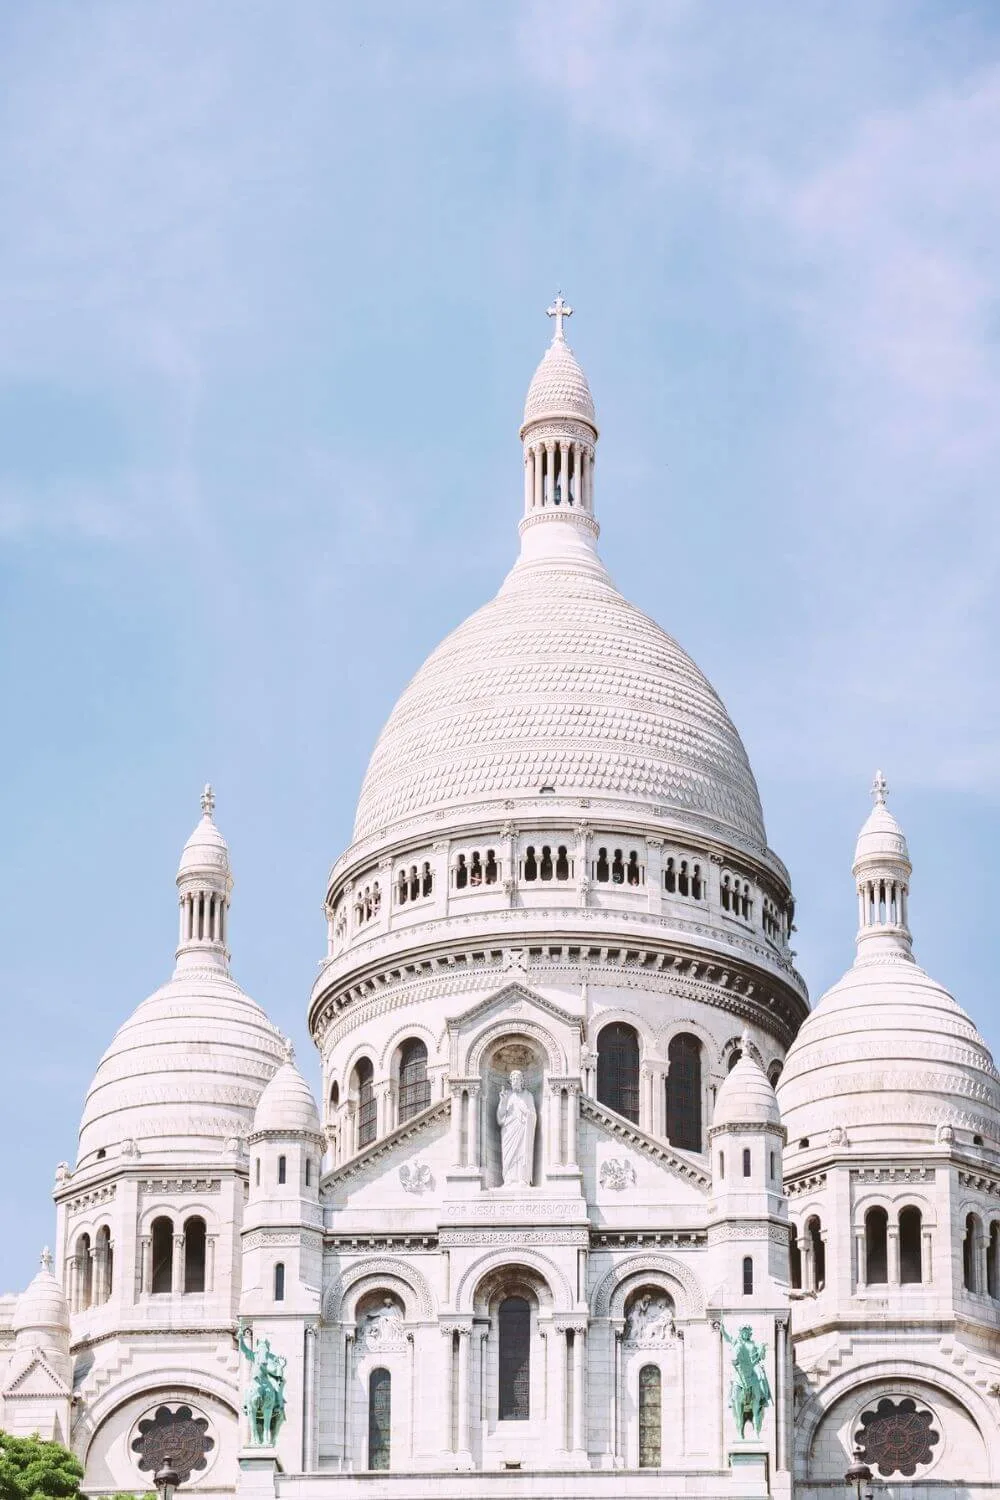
(559, 682)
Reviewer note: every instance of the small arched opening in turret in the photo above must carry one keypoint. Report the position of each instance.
(683, 1087)
(618, 1069)
(971, 1243)
(794, 1262)
(993, 1260)
(748, 1275)
(911, 1233)
(162, 1234)
(602, 869)
(876, 1246)
(817, 1253)
(412, 1083)
(279, 1281)
(84, 1272)
(195, 1241)
(104, 1255)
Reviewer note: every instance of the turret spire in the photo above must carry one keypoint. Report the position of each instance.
(882, 872)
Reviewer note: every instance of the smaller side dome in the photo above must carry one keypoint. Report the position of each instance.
(746, 1096)
(41, 1316)
(287, 1106)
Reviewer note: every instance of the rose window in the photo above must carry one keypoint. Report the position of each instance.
(178, 1435)
(896, 1438)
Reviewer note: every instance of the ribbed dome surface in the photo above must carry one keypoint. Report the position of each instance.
(184, 1072)
(559, 387)
(887, 1049)
(42, 1306)
(560, 682)
(287, 1103)
(206, 850)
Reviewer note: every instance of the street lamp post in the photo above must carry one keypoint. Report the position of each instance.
(166, 1479)
(860, 1475)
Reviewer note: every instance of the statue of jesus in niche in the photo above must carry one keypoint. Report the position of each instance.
(516, 1118)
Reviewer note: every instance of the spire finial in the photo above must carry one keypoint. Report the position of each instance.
(559, 310)
(208, 800)
(46, 1260)
(289, 1049)
(880, 788)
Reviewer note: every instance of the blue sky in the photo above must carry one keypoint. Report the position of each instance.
(272, 283)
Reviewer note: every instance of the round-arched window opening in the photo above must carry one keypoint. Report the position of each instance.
(977, 1140)
(804, 1143)
(897, 1437)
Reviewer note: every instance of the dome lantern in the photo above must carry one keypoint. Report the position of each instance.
(205, 884)
(559, 434)
(882, 872)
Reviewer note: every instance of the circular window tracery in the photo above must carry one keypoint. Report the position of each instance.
(175, 1434)
(896, 1438)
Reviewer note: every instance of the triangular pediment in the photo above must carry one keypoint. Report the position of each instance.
(514, 998)
(36, 1378)
(399, 1158)
(627, 1160)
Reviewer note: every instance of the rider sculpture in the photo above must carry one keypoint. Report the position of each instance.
(750, 1392)
(264, 1397)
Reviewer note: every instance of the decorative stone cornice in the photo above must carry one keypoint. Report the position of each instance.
(416, 1125)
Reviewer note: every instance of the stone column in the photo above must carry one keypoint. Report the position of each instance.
(557, 1385)
(780, 1392)
(73, 1284)
(982, 1249)
(654, 875)
(536, 460)
(475, 1145)
(177, 1266)
(210, 1246)
(309, 1400)
(146, 1264)
(573, 1114)
(861, 1269)
(645, 1101)
(579, 1437)
(447, 1389)
(349, 1336)
(927, 1266)
(806, 1254)
(548, 494)
(551, 1150)
(893, 1233)
(456, 1125)
(528, 482)
(464, 1343)
(618, 1404)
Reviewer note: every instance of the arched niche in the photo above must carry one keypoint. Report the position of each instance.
(509, 1052)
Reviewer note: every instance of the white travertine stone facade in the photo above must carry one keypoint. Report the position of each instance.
(559, 890)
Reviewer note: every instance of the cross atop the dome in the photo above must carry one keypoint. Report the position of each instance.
(208, 800)
(559, 310)
(879, 789)
(46, 1259)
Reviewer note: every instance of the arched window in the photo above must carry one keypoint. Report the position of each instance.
(491, 871)
(85, 1270)
(774, 1072)
(309, 1171)
(402, 888)
(414, 883)
(530, 863)
(545, 869)
(650, 1417)
(365, 1104)
(379, 1419)
(684, 1092)
(993, 1261)
(476, 869)
(194, 1255)
(163, 1255)
(334, 1094)
(910, 1246)
(105, 1265)
(876, 1247)
(257, 1170)
(748, 1275)
(733, 1058)
(279, 1281)
(602, 870)
(562, 863)
(670, 877)
(618, 1069)
(414, 1085)
(426, 880)
(817, 1247)
(515, 1359)
(618, 869)
(282, 1170)
(633, 874)
(970, 1254)
(461, 874)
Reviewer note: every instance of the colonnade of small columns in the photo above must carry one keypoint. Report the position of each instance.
(178, 1285)
(202, 917)
(88, 1275)
(882, 902)
(564, 462)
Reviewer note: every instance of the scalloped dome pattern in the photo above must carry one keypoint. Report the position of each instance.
(560, 681)
(559, 387)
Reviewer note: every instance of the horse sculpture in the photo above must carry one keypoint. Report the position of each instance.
(750, 1392)
(264, 1397)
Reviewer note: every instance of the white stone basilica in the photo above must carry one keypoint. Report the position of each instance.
(592, 1205)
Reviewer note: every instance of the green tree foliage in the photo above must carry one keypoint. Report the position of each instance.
(32, 1469)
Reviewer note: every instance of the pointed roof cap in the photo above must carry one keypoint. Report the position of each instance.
(42, 1306)
(206, 851)
(287, 1104)
(881, 838)
(746, 1096)
(559, 387)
